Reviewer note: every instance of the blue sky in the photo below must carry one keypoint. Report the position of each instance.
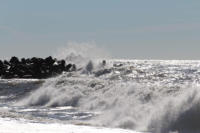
(141, 29)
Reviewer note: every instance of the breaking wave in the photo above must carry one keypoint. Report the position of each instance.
(180, 114)
(155, 96)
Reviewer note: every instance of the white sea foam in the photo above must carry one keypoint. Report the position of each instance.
(143, 95)
(12, 126)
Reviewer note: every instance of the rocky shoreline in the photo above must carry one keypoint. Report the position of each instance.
(35, 68)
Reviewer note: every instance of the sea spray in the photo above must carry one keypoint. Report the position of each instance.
(87, 57)
(156, 96)
(179, 113)
(82, 53)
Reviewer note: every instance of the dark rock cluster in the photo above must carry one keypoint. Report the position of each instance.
(33, 68)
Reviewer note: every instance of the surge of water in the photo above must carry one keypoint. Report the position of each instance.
(156, 96)
(179, 114)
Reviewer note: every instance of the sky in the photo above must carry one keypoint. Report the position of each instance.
(132, 29)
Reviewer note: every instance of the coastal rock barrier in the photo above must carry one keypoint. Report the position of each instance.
(36, 68)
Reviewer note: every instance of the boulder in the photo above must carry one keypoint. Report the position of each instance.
(102, 72)
(89, 67)
(68, 67)
(14, 60)
(33, 68)
(49, 61)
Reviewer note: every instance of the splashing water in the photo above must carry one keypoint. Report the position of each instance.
(80, 53)
(156, 96)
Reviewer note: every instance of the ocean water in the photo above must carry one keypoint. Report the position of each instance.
(124, 96)
(139, 95)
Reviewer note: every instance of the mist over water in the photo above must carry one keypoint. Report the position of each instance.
(143, 95)
(81, 53)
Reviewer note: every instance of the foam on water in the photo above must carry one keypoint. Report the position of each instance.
(22, 126)
(179, 113)
(143, 95)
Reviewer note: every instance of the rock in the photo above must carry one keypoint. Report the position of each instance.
(68, 67)
(89, 67)
(6, 63)
(73, 68)
(23, 61)
(1, 67)
(33, 68)
(102, 72)
(50, 61)
(61, 65)
(1, 63)
(103, 62)
(14, 60)
(28, 61)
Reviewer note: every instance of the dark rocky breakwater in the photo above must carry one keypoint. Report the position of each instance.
(37, 68)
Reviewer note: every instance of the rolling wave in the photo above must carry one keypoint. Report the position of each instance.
(143, 95)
